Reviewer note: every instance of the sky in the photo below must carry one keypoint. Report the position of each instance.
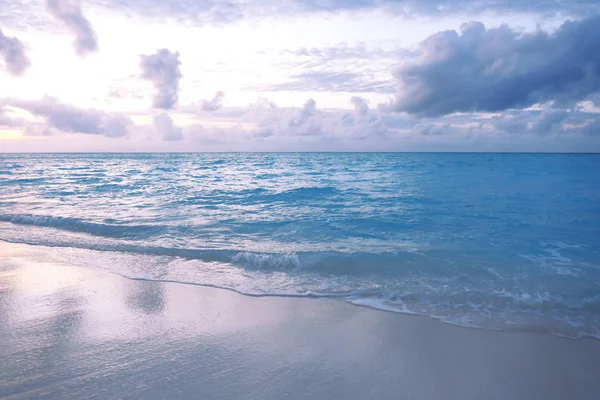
(299, 75)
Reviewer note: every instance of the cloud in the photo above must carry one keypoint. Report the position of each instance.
(449, 7)
(497, 69)
(308, 110)
(264, 126)
(228, 11)
(361, 106)
(163, 123)
(214, 104)
(542, 123)
(209, 136)
(162, 69)
(549, 121)
(12, 51)
(272, 121)
(9, 122)
(333, 81)
(344, 52)
(592, 128)
(71, 119)
(275, 123)
(340, 57)
(69, 13)
(123, 93)
(337, 68)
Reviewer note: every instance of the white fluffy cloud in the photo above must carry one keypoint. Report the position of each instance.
(12, 51)
(164, 125)
(69, 13)
(213, 104)
(70, 119)
(361, 106)
(162, 69)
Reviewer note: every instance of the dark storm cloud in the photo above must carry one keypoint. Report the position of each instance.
(214, 104)
(163, 123)
(69, 13)
(12, 52)
(479, 69)
(72, 119)
(162, 69)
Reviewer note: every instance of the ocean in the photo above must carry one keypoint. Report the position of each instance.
(496, 241)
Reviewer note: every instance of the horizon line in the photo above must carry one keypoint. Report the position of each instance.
(294, 152)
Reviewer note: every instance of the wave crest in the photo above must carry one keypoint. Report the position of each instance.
(81, 226)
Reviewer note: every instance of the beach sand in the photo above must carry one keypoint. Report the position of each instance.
(72, 332)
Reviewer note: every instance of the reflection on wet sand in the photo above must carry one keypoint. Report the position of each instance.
(148, 299)
(71, 332)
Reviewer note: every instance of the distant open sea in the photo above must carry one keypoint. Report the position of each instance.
(499, 241)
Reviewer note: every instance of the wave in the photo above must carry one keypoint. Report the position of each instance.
(262, 196)
(399, 285)
(468, 314)
(289, 230)
(23, 181)
(302, 193)
(308, 293)
(329, 263)
(12, 166)
(544, 300)
(75, 168)
(81, 226)
(349, 277)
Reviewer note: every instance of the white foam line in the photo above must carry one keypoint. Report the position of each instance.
(345, 296)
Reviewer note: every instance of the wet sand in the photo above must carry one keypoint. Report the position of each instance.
(72, 332)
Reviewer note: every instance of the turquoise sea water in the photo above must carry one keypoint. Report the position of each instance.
(501, 241)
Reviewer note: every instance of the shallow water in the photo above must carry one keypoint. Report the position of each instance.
(502, 241)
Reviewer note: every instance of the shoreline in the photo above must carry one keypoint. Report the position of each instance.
(343, 297)
(72, 332)
(340, 297)
(27, 250)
